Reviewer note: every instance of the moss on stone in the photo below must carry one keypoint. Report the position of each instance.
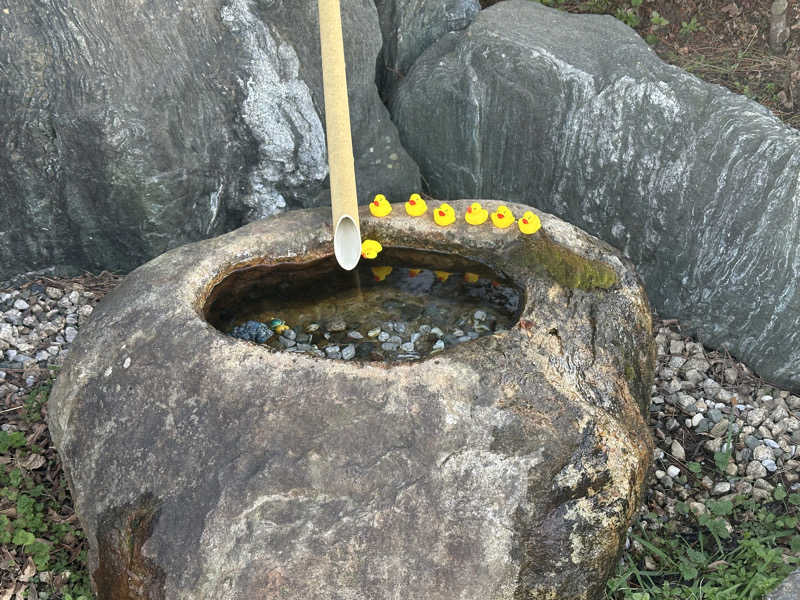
(566, 267)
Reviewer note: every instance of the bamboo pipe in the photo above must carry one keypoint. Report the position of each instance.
(344, 201)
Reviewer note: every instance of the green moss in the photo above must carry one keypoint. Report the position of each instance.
(630, 373)
(566, 267)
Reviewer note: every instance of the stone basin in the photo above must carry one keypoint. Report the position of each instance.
(203, 466)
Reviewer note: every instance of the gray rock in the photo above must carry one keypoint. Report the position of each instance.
(677, 450)
(471, 475)
(132, 135)
(337, 324)
(756, 416)
(70, 333)
(789, 589)
(755, 470)
(697, 185)
(348, 352)
(761, 453)
(409, 27)
(720, 488)
(720, 429)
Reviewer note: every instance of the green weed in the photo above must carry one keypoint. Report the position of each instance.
(37, 523)
(740, 551)
(690, 27)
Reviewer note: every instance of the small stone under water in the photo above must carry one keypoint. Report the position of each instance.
(376, 313)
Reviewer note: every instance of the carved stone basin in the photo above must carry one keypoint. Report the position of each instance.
(204, 466)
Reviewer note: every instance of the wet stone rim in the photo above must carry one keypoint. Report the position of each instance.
(485, 247)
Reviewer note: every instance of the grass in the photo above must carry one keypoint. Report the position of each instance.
(41, 544)
(732, 549)
(740, 551)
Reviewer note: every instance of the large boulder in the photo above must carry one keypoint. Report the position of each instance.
(130, 128)
(203, 466)
(410, 26)
(575, 114)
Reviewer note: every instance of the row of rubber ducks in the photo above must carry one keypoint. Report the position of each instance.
(445, 214)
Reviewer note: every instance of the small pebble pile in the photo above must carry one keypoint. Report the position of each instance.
(385, 341)
(704, 403)
(37, 325)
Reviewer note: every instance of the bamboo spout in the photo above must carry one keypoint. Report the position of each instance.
(344, 201)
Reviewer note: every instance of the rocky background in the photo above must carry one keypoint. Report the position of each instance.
(132, 129)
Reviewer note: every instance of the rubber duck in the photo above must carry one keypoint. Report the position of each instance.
(444, 215)
(370, 248)
(502, 217)
(414, 272)
(476, 214)
(442, 275)
(529, 223)
(278, 326)
(471, 277)
(416, 206)
(380, 206)
(381, 273)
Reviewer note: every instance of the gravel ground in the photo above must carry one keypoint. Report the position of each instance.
(703, 402)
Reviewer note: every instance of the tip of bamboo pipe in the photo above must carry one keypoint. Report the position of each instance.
(347, 243)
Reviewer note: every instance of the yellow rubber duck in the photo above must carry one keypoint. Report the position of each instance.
(444, 215)
(381, 273)
(380, 206)
(529, 223)
(502, 217)
(370, 249)
(416, 206)
(442, 275)
(476, 214)
(414, 272)
(471, 277)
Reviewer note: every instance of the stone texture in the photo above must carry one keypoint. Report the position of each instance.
(128, 131)
(698, 186)
(788, 590)
(409, 27)
(204, 466)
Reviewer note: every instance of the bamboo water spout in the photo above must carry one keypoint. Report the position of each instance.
(344, 201)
